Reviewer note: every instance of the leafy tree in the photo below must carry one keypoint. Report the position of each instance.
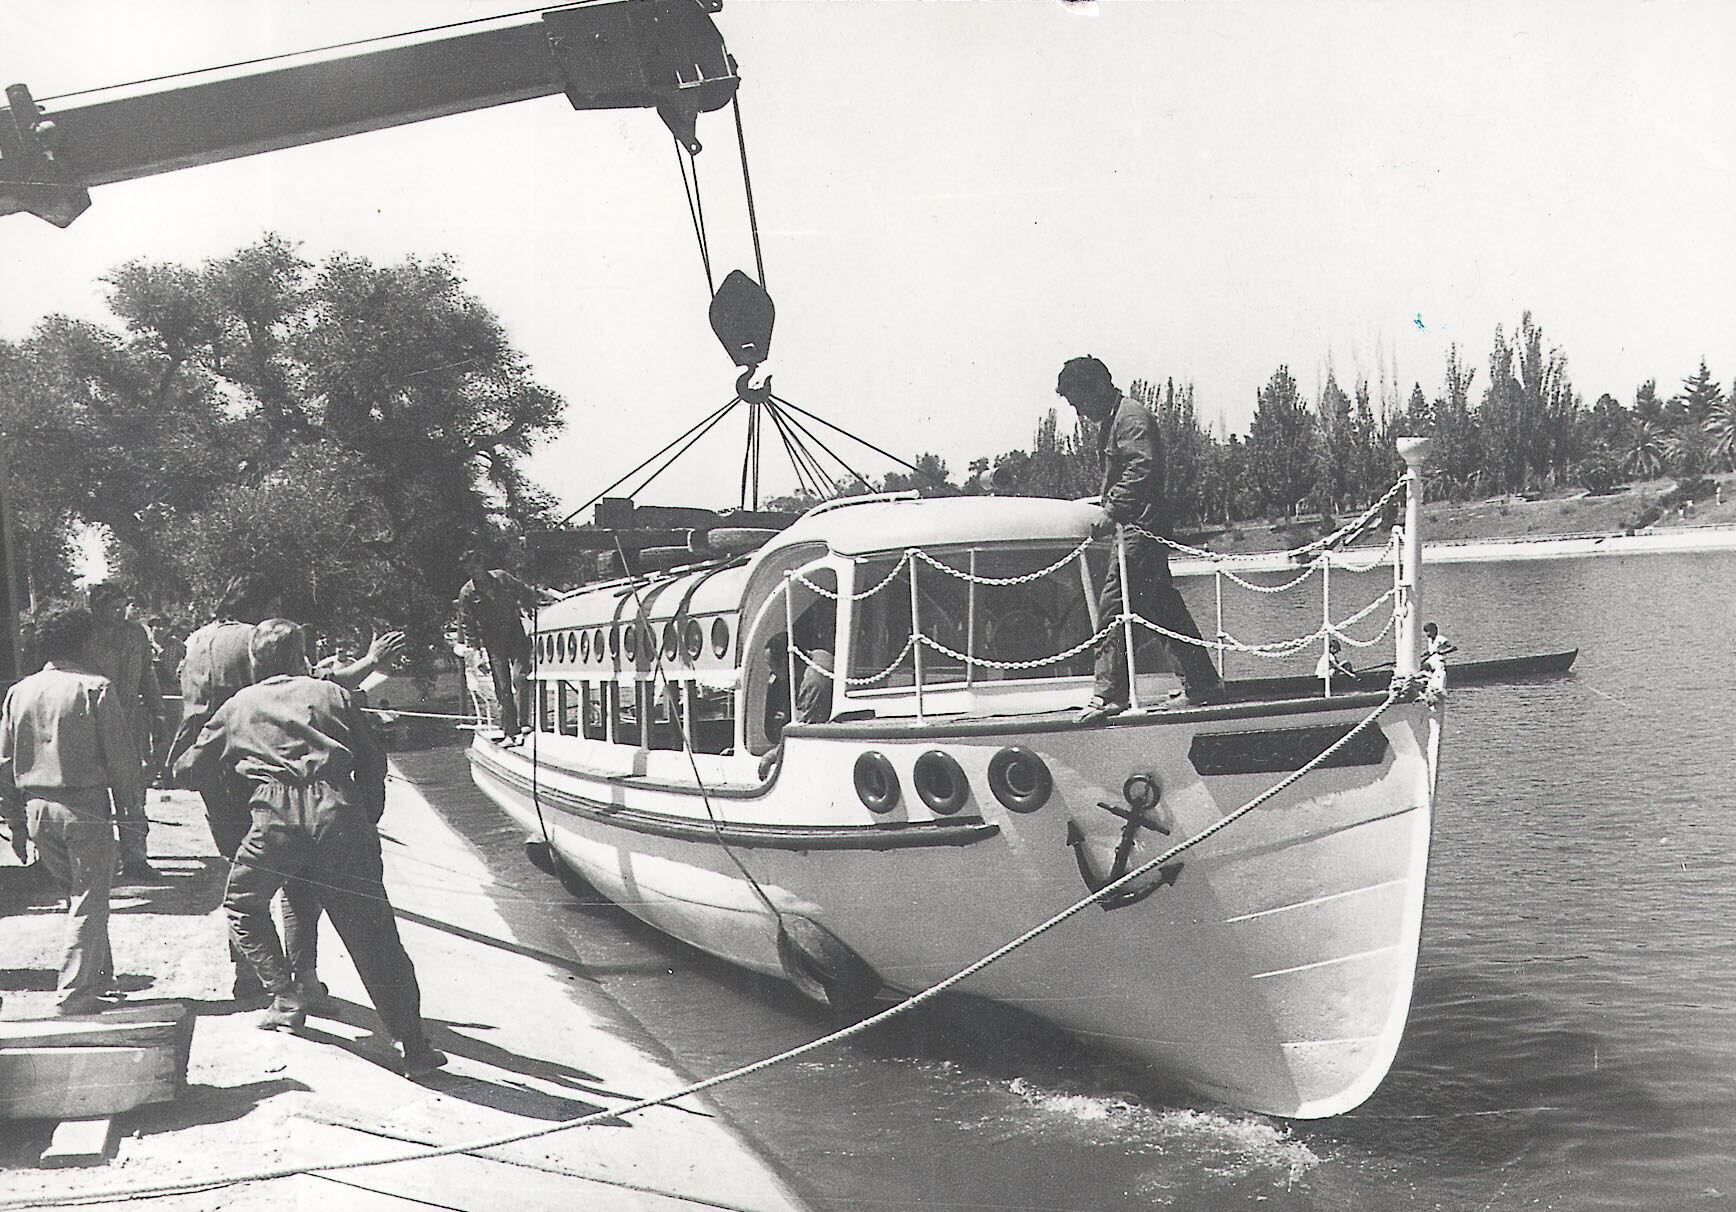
(1645, 448)
(249, 382)
(1701, 393)
(1280, 443)
(1334, 447)
(930, 478)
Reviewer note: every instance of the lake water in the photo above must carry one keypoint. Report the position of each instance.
(1572, 1042)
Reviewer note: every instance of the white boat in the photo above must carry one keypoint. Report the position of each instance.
(952, 802)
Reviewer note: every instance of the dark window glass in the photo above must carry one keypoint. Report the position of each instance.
(713, 718)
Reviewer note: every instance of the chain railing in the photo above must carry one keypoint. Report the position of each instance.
(1321, 556)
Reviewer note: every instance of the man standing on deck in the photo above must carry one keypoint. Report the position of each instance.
(1133, 500)
(120, 650)
(491, 610)
(65, 749)
(316, 780)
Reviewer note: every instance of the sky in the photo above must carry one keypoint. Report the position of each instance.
(956, 197)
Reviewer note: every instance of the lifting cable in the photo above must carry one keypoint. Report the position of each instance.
(1402, 688)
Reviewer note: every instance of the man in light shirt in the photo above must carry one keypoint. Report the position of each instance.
(65, 747)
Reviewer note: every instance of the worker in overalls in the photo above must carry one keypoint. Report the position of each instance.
(316, 782)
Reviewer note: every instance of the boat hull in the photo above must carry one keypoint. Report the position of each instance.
(1272, 971)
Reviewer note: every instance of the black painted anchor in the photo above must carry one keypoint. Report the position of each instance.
(1142, 796)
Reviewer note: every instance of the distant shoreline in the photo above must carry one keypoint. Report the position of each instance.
(1490, 551)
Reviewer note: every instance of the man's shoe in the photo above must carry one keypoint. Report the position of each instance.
(314, 994)
(1098, 710)
(248, 993)
(82, 1003)
(288, 1012)
(140, 871)
(420, 1058)
(1206, 698)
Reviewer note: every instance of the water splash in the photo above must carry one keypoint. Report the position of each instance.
(1230, 1146)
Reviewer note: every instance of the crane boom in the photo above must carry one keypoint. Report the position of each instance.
(665, 54)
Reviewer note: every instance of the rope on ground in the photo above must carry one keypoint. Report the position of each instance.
(1401, 687)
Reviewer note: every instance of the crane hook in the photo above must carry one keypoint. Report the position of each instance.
(750, 394)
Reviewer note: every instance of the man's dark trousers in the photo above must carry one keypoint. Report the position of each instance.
(1152, 595)
(310, 832)
(230, 819)
(508, 662)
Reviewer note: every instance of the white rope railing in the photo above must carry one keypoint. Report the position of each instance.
(1322, 558)
(1023, 578)
(1314, 550)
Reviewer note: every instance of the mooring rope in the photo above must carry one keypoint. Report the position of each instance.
(1401, 687)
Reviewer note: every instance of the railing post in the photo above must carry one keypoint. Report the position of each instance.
(916, 633)
(1326, 613)
(1127, 619)
(1414, 452)
(970, 623)
(1222, 653)
(790, 638)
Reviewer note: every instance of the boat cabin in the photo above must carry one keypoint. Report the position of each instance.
(1001, 590)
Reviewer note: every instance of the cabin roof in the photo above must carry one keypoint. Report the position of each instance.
(893, 525)
(854, 529)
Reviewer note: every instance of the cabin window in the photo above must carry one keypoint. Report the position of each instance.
(595, 721)
(547, 693)
(628, 710)
(713, 727)
(570, 693)
(1024, 622)
(664, 698)
(816, 622)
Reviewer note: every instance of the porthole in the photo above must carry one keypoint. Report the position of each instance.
(615, 641)
(561, 647)
(876, 782)
(720, 637)
(572, 646)
(671, 641)
(693, 639)
(940, 782)
(1020, 779)
(584, 645)
(597, 643)
(630, 642)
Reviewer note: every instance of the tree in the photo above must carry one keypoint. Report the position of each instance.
(1334, 447)
(250, 382)
(1701, 393)
(1280, 444)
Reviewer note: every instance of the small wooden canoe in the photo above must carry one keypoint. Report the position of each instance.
(1459, 673)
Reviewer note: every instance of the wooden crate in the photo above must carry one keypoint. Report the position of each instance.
(92, 1065)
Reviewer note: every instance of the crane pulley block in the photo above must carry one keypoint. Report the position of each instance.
(661, 53)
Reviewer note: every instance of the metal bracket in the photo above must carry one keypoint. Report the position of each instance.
(30, 177)
(662, 53)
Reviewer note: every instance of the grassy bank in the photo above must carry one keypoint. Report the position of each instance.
(1570, 512)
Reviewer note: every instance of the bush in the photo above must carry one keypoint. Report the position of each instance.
(1693, 488)
(1598, 472)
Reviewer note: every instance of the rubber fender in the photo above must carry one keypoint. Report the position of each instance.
(876, 782)
(940, 782)
(739, 540)
(822, 967)
(1020, 779)
(542, 856)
